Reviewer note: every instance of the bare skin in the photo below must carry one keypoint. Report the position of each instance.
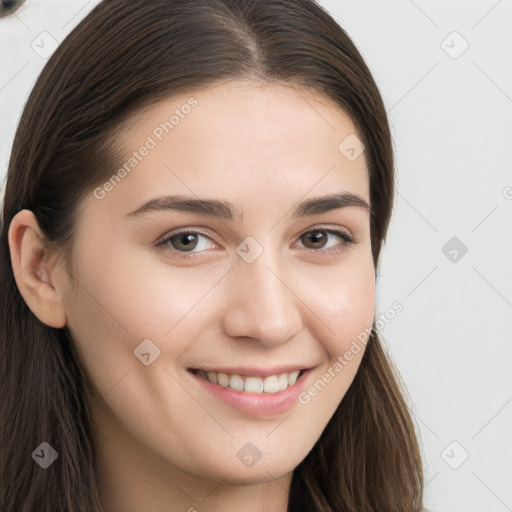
(163, 441)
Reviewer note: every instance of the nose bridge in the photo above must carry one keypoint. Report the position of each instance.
(263, 305)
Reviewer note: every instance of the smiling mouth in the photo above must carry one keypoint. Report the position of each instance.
(251, 384)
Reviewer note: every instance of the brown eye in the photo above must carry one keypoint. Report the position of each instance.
(317, 238)
(184, 241)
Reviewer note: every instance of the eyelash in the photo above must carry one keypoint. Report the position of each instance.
(182, 254)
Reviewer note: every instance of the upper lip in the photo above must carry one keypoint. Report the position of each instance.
(253, 371)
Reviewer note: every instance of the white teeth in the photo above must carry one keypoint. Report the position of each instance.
(222, 380)
(292, 378)
(236, 382)
(282, 382)
(270, 384)
(253, 385)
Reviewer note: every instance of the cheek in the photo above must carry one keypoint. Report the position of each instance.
(356, 310)
(346, 307)
(343, 299)
(126, 297)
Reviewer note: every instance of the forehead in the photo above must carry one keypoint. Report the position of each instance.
(240, 140)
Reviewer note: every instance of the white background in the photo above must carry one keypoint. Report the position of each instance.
(451, 118)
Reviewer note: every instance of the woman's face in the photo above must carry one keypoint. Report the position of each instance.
(252, 285)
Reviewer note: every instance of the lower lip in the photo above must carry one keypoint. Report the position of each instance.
(257, 404)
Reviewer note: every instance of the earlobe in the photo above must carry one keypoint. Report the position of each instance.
(35, 276)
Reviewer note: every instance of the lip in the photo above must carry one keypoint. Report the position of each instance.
(256, 404)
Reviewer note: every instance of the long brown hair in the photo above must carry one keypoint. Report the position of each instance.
(122, 57)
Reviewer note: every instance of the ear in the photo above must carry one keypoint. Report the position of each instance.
(34, 272)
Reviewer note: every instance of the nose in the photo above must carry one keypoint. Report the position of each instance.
(262, 303)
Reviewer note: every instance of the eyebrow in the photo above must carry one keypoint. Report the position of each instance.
(226, 211)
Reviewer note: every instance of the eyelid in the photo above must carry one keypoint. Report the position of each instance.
(179, 231)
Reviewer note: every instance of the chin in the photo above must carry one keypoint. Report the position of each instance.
(230, 472)
(253, 476)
